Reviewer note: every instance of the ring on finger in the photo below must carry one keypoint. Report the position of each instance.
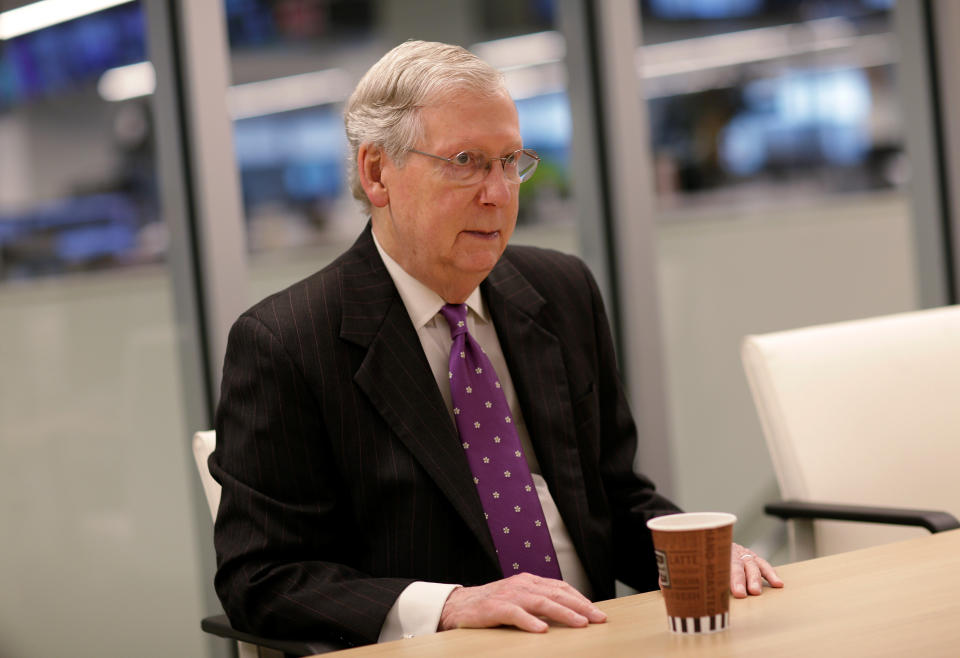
(747, 556)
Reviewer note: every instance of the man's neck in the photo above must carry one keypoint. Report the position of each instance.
(453, 289)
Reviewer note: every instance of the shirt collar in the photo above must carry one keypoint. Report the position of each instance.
(423, 304)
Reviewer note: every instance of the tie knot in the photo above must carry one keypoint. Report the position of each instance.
(456, 317)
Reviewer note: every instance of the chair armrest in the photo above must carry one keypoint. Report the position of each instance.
(219, 625)
(933, 521)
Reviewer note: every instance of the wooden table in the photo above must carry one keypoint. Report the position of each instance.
(899, 599)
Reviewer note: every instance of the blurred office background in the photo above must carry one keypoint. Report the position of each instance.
(725, 166)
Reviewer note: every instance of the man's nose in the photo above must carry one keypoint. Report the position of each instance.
(496, 189)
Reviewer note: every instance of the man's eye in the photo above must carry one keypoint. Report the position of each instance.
(462, 158)
(510, 159)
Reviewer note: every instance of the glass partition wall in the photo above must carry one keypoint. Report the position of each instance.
(751, 101)
(99, 553)
(781, 177)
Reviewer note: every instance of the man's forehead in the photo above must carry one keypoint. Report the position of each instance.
(459, 97)
(465, 91)
(468, 114)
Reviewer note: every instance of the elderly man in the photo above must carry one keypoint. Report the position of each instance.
(430, 432)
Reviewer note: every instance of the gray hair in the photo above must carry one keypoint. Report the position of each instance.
(384, 109)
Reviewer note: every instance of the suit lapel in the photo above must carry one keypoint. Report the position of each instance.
(396, 377)
(538, 370)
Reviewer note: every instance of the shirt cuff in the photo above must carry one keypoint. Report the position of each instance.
(416, 611)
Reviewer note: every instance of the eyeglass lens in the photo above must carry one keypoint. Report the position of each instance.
(517, 167)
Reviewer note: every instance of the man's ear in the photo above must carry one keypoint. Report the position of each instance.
(370, 162)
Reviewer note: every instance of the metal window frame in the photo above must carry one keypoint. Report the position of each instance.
(942, 20)
(925, 95)
(201, 184)
(200, 202)
(617, 117)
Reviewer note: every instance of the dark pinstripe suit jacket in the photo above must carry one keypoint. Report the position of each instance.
(343, 477)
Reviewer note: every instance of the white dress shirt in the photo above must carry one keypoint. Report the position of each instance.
(417, 609)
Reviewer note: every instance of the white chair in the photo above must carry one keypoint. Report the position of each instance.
(203, 445)
(862, 413)
(248, 645)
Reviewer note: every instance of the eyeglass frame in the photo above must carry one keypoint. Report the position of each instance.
(488, 165)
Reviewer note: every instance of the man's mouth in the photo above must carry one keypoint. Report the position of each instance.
(489, 235)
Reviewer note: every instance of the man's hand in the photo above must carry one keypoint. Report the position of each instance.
(518, 601)
(746, 569)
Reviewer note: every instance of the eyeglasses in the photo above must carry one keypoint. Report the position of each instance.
(469, 167)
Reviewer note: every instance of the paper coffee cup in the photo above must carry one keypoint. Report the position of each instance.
(693, 556)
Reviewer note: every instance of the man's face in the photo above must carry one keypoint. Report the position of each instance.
(444, 233)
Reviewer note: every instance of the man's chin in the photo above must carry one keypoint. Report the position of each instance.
(479, 262)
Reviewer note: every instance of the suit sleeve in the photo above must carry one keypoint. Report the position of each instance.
(284, 535)
(632, 497)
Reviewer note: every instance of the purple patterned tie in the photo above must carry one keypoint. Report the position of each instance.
(500, 471)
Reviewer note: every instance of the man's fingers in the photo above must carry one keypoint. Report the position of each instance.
(514, 615)
(544, 607)
(524, 612)
(568, 597)
(768, 572)
(583, 607)
(752, 574)
(557, 601)
(747, 564)
(519, 601)
(738, 585)
(496, 613)
(747, 572)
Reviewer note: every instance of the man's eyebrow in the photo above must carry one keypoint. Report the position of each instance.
(476, 149)
(471, 146)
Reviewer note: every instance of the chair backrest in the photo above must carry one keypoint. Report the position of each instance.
(863, 412)
(203, 445)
